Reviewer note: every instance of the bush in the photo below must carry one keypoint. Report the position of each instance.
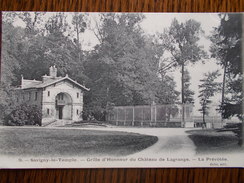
(94, 114)
(24, 115)
(236, 128)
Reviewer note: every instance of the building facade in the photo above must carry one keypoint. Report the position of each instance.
(60, 98)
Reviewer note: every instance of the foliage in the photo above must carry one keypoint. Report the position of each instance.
(94, 113)
(7, 103)
(181, 41)
(11, 49)
(236, 128)
(123, 67)
(80, 25)
(226, 48)
(166, 93)
(208, 89)
(44, 43)
(24, 115)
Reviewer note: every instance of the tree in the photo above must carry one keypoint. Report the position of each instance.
(226, 48)
(166, 93)
(181, 41)
(54, 47)
(11, 49)
(24, 115)
(7, 102)
(189, 94)
(123, 68)
(23, 46)
(33, 22)
(208, 89)
(79, 22)
(80, 25)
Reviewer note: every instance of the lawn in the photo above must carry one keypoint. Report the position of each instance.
(70, 142)
(210, 141)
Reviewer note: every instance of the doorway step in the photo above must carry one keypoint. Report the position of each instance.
(59, 122)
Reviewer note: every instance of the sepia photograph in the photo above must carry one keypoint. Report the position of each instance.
(102, 90)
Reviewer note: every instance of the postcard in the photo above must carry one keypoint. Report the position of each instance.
(103, 90)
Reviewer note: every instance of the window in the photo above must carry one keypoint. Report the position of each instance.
(77, 112)
(78, 95)
(29, 95)
(61, 96)
(48, 111)
(48, 93)
(35, 95)
(23, 96)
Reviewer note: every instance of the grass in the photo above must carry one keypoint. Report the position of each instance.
(210, 141)
(70, 142)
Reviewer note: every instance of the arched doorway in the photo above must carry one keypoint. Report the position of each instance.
(63, 106)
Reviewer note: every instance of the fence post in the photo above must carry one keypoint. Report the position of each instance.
(125, 115)
(142, 116)
(151, 111)
(117, 116)
(133, 115)
(155, 113)
(183, 115)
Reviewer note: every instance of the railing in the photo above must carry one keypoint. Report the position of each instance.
(60, 102)
(151, 115)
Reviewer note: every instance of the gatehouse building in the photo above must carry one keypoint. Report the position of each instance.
(60, 98)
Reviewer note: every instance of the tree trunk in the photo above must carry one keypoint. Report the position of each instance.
(78, 41)
(182, 84)
(182, 94)
(223, 91)
(203, 118)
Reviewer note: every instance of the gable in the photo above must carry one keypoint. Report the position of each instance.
(58, 81)
(65, 84)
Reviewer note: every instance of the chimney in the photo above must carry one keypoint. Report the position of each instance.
(53, 71)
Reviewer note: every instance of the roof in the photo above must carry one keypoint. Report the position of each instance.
(33, 84)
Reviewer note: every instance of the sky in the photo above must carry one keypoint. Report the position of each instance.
(156, 23)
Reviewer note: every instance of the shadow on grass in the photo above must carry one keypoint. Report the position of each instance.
(70, 142)
(210, 141)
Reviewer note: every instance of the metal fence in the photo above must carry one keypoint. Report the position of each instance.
(151, 115)
(211, 121)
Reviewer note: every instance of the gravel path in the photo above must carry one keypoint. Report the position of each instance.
(171, 141)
